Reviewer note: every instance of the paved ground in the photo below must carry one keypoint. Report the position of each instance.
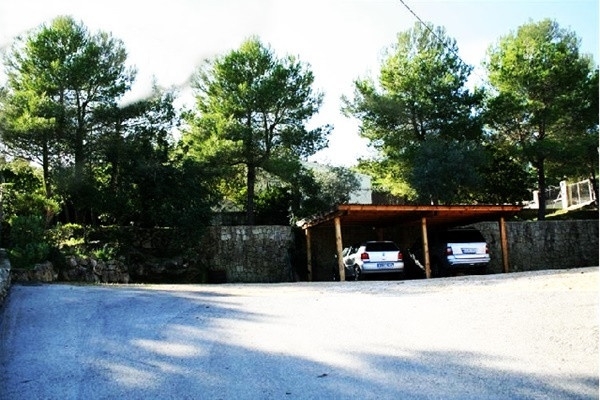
(528, 336)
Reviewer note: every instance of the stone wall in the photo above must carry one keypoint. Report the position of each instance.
(4, 275)
(249, 253)
(544, 244)
(229, 254)
(268, 253)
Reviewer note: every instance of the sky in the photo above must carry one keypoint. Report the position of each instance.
(340, 40)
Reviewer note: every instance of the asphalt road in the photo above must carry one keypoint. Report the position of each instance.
(515, 336)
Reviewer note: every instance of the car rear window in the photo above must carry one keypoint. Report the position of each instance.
(381, 246)
(463, 236)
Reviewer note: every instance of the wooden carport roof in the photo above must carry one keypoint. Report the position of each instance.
(387, 215)
(373, 215)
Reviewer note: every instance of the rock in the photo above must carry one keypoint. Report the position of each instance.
(44, 272)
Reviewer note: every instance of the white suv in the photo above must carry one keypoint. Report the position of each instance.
(456, 250)
(372, 258)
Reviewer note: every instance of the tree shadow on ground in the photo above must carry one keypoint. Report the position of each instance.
(137, 343)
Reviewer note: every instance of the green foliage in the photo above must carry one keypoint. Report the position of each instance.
(67, 234)
(28, 244)
(273, 205)
(446, 172)
(106, 252)
(545, 97)
(421, 97)
(505, 178)
(58, 77)
(101, 243)
(252, 110)
(389, 176)
(323, 188)
(22, 191)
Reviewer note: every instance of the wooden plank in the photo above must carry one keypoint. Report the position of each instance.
(425, 247)
(308, 255)
(457, 209)
(339, 248)
(373, 214)
(504, 246)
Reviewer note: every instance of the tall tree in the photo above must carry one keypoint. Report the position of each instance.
(253, 109)
(540, 78)
(421, 96)
(57, 76)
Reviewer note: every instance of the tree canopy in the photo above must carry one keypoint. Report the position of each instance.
(419, 107)
(252, 114)
(247, 139)
(102, 160)
(543, 98)
(58, 76)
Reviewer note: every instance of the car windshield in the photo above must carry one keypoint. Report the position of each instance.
(463, 236)
(381, 246)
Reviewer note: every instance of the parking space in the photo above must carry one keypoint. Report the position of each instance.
(521, 335)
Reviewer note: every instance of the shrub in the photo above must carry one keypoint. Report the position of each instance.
(28, 244)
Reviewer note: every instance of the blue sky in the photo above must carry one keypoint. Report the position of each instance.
(340, 39)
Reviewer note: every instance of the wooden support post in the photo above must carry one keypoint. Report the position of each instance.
(308, 254)
(338, 246)
(425, 247)
(504, 246)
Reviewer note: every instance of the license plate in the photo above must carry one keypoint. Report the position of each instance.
(469, 251)
(385, 265)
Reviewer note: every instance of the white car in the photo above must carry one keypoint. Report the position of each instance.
(372, 257)
(456, 250)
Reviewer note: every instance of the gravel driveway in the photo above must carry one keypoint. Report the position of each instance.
(514, 336)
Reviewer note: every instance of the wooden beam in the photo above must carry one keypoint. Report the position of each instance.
(458, 209)
(504, 246)
(425, 247)
(339, 248)
(308, 255)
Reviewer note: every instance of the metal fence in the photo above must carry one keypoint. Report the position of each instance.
(566, 196)
(580, 194)
(553, 198)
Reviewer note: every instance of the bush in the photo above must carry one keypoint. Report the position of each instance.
(68, 239)
(28, 245)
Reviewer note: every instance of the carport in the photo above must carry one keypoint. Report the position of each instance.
(381, 216)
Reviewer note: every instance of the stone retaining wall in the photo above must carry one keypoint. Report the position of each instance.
(249, 253)
(539, 245)
(264, 254)
(4, 275)
(229, 254)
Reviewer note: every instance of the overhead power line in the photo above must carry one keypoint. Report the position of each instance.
(428, 27)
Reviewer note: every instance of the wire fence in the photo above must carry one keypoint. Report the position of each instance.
(580, 193)
(567, 196)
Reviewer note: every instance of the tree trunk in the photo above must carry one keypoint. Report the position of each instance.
(115, 156)
(251, 180)
(541, 188)
(46, 169)
(79, 155)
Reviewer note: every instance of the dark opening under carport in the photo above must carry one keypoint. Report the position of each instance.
(379, 216)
